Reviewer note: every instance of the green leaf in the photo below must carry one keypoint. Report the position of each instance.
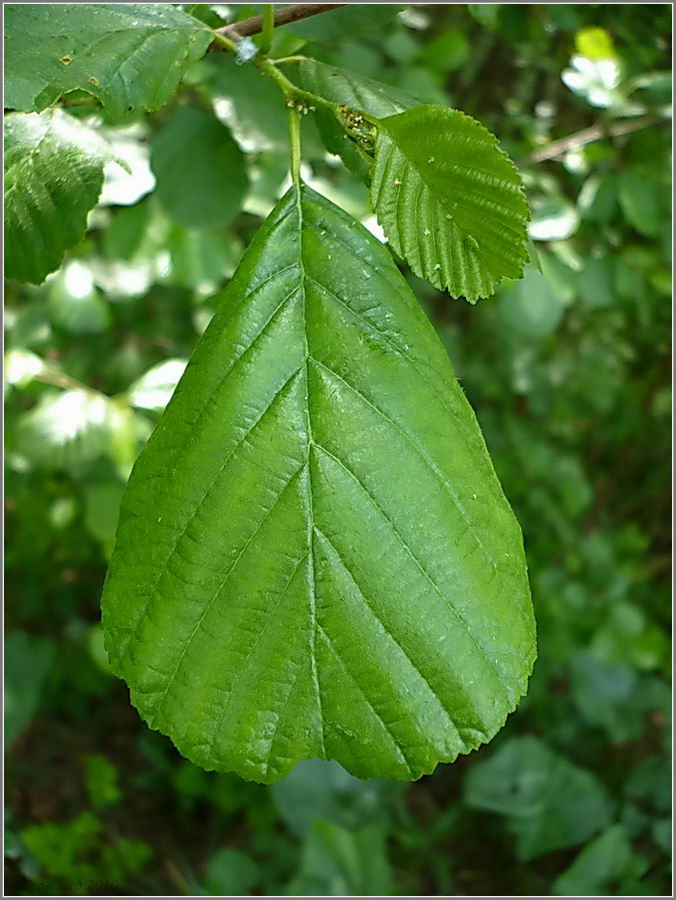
(28, 660)
(341, 863)
(449, 200)
(201, 176)
(606, 866)
(357, 92)
(640, 202)
(549, 802)
(66, 429)
(74, 303)
(314, 556)
(531, 308)
(324, 790)
(101, 781)
(127, 55)
(230, 873)
(45, 212)
(154, 388)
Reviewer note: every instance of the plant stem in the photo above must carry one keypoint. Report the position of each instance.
(268, 27)
(294, 141)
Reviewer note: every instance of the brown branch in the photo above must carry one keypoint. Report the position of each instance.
(283, 16)
(587, 136)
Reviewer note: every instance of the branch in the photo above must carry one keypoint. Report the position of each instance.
(283, 16)
(588, 136)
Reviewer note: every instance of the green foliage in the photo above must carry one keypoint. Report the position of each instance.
(77, 854)
(335, 359)
(201, 178)
(449, 200)
(128, 55)
(549, 803)
(101, 781)
(28, 660)
(45, 213)
(339, 863)
(569, 374)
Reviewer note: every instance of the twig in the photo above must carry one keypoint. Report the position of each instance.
(283, 16)
(587, 136)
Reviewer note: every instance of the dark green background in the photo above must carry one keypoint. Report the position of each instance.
(569, 374)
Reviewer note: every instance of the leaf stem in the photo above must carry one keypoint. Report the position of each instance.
(294, 141)
(268, 27)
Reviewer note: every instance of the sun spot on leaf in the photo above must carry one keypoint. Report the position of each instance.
(93, 80)
(66, 60)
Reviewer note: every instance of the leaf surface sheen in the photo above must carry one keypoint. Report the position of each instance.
(53, 178)
(128, 55)
(314, 556)
(449, 200)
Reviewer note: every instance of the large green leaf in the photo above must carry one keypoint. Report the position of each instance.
(449, 200)
(314, 556)
(45, 212)
(201, 176)
(127, 55)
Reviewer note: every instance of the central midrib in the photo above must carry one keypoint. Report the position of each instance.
(311, 581)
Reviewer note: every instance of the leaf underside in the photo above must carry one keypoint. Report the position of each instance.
(314, 556)
(449, 200)
(45, 212)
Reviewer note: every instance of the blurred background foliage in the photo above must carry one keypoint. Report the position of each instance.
(569, 374)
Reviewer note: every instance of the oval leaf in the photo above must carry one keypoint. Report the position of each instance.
(45, 212)
(449, 200)
(314, 556)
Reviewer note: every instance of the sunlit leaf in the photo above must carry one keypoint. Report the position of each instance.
(449, 200)
(154, 389)
(276, 592)
(45, 212)
(66, 429)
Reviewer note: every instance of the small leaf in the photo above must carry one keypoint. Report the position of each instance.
(343, 863)
(606, 866)
(28, 660)
(230, 873)
(127, 55)
(449, 200)
(45, 212)
(66, 429)
(201, 176)
(74, 303)
(314, 557)
(153, 390)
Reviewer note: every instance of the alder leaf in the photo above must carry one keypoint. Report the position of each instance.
(127, 55)
(53, 177)
(450, 200)
(314, 556)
